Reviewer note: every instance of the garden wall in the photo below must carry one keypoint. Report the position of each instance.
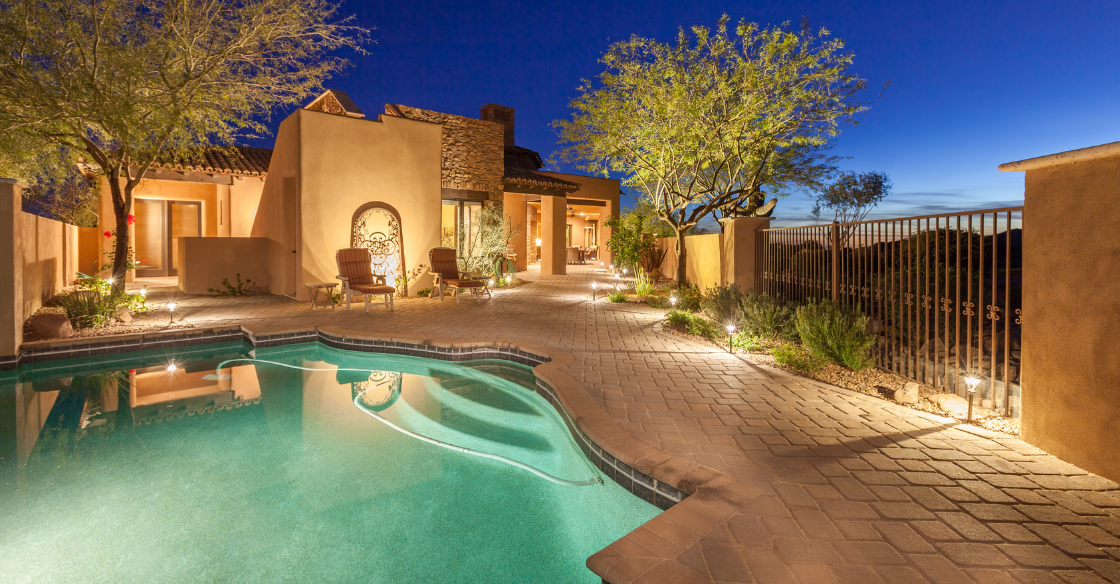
(38, 257)
(205, 261)
(704, 255)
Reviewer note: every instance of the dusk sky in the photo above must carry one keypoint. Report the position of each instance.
(973, 84)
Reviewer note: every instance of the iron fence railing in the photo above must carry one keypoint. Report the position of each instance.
(943, 292)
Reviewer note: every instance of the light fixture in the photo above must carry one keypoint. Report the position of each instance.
(600, 264)
(538, 242)
(730, 336)
(143, 292)
(673, 301)
(171, 309)
(109, 280)
(172, 368)
(594, 285)
(623, 271)
(491, 282)
(972, 383)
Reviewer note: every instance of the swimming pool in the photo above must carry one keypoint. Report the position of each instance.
(299, 463)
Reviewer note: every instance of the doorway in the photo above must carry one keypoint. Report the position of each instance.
(159, 225)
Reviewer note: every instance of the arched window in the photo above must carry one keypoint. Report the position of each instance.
(377, 227)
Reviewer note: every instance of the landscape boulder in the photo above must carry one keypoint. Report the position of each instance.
(908, 394)
(950, 403)
(123, 315)
(52, 326)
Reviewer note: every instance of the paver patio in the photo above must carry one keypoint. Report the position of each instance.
(815, 484)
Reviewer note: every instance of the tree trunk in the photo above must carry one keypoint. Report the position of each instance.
(122, 203)
(682, 259)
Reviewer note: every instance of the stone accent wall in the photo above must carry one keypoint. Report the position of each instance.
(531, 233)
(473, 151)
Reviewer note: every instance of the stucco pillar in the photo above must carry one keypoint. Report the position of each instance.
(11, 268)
(514, 210)
(609, 210)
(554, 254)
(739, 251)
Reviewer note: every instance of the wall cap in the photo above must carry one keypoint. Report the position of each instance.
(1079, 155)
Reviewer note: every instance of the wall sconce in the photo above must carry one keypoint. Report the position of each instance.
(538, 242)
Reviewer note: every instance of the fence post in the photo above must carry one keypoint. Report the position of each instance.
(835, 267)
(740, 263)
(11, 268)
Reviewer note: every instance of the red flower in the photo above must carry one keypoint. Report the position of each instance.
(131, 219)
(108, 234)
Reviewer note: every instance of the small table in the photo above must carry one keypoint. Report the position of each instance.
(313, 289)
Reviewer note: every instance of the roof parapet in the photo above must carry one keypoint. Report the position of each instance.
(1079, 155)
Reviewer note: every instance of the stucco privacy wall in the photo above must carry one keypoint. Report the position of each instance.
(1071, 315)
(348, 162)
(205, 261)
(277, 218)
(38, 257)
(704, 254)
(472, 151)
(244, 198)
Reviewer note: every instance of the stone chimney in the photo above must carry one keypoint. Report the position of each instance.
(501, 114)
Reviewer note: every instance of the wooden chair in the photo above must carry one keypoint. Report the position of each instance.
(445, 267)
(356, 273)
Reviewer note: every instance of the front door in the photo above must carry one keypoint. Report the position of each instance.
(159, 225)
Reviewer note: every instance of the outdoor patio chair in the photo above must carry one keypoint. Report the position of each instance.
(445, 267)
(573, 255)
(356, 273)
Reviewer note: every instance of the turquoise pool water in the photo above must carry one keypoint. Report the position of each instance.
(115, 469)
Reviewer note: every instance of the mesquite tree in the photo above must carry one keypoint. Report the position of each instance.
(709, 124)
(851, 197)
(116, 83)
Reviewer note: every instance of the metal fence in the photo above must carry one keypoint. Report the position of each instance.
(943, 292)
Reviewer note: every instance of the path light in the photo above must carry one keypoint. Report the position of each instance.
(144, 292)
(109, 280)
(171, 308)
(172, 368)
(673, 301)
(623, 271)
(491, 282)
(601, 264)
(972, 383)
(594, 285)
(730, 335)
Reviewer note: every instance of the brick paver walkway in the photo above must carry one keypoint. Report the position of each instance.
(835, 486)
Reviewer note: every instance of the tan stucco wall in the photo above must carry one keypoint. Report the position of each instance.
(515, 211)
(1071, 313)
(553, 253)
(280, 192)
(38, 257)
(244, 197)
(704, 254)
(739, 244)
(348, 162)
(205, 261)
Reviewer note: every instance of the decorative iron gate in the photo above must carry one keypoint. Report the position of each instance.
(943, 292)
(377, 227)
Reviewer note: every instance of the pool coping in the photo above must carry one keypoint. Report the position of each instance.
(694, 498)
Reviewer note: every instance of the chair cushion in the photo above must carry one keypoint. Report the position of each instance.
(463, 283)
(373, 289)
(354, 264)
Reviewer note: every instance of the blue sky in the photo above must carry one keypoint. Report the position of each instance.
(973, 84)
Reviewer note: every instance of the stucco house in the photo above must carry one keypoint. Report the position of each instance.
(400, 185)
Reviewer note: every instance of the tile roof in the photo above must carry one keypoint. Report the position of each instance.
(523, 177)
(233, 160)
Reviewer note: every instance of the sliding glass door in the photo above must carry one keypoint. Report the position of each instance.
(159, 225)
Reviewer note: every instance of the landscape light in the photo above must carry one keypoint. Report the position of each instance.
(623, 271)
(972, 383)
(491, 281)
(109, 280)
(673, 301)
(730, 331)
(172, 368)
(601, 264)
(143, 292)
(594, 285)
(171, 309)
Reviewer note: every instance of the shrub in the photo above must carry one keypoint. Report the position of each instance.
(688, 297)
(747, 342)
(836, 332)
(642, 285)
(677, 318)
(657, 301)
(616, 295)
(92, 308)
(424, 293)
(765, 316)
(720, 303)
(798, 357)
(245, 288)
(693, 324)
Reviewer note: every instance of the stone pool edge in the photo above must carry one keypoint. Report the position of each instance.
(694, 498)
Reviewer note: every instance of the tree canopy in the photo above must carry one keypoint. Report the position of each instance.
(117, 82)
(711, 124)
(852, 196)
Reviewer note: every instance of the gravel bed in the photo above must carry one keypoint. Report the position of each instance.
(873, 382)
(155, 319)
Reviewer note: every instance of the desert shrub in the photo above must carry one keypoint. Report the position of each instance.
(92, 308)
(424, 293)
(765, 316)
(798, 357)
(688, 297)
(677, 318)
(747, 342)
(838, 333)
(657, 301)
(616, 295)
(720, 303)
(693, 324)
(643, 286)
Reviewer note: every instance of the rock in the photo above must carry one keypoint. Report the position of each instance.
(52, 326)
(124, 315)
(951, 403)
(908, 394)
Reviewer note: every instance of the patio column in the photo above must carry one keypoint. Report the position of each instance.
(609, 210)
(554, 253)
(513, 208)
(739, 249)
